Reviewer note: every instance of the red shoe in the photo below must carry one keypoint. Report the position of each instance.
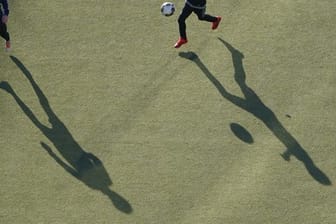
(8, 45)
(216, 23)
(180, 42)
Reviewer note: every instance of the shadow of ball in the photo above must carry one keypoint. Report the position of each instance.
(241, 133)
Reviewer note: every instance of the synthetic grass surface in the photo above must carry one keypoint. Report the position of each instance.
(181, 134)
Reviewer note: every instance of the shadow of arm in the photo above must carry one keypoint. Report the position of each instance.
(59, 161)
(232, 98)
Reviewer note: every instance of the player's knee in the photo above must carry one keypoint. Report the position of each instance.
(201, 17)
(181, 20)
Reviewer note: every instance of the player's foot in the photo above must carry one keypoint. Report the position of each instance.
(180, 42)
(8, 46)
(216, 23)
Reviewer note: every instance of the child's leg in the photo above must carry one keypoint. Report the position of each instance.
(205, 17)
(186, 11)
(3, 31)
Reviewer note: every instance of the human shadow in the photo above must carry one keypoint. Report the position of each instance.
(82, 165)
(253, 104)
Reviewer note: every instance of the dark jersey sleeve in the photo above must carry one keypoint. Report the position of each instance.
(4, 4)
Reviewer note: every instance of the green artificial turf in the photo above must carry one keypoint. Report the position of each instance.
(103, 121)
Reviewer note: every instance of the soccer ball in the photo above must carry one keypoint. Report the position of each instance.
(167, 8)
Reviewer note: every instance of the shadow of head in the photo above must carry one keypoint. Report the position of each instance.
(91, 171)
(94, 175)
(241, 133)
(118, 201)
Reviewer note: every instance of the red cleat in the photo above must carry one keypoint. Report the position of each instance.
(216, 23)
(180, 42)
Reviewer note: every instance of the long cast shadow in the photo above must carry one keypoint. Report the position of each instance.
(82, 165)
(253, 104)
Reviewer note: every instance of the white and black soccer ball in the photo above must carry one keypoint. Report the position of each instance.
(167, 8)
